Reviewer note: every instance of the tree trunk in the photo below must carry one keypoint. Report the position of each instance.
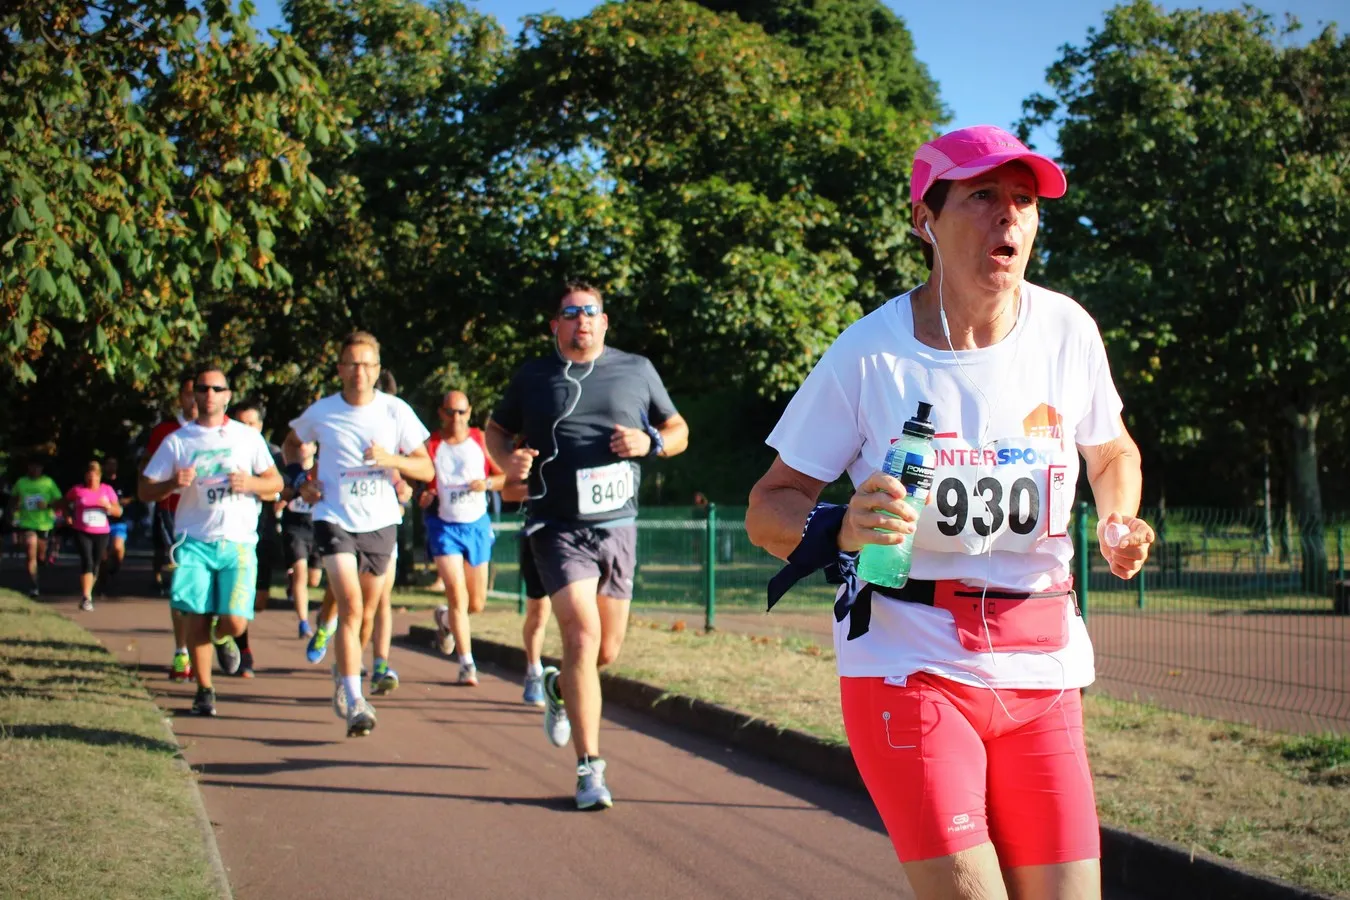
(1306, 497)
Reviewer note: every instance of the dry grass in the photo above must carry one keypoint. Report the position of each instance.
(93, 802)
(1276, 805)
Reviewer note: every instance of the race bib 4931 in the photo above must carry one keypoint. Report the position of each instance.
(364, 483)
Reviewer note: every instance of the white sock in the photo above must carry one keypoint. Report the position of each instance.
(181, 651)
(331, 625)
(352, 685)
(534, 669)
(466, 659)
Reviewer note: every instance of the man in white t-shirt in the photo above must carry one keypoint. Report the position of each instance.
(960, 688)
(368, 441)
(459, 529)
(219, 469)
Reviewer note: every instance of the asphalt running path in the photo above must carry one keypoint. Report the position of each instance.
(458, 791)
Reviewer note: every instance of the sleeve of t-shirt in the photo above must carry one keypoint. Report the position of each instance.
(659, 406)
(110, 493)
(509, 412)
(53, 492)
(478, 438)
(411, 432)
(818, 432)
(305, 426)
(161, 465)
(1100, 424)
(262, 456)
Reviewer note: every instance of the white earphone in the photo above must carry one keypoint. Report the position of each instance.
(942, 309)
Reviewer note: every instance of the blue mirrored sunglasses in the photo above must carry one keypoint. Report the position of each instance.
(590, 309)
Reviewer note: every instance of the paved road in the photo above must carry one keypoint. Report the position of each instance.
(457, 791)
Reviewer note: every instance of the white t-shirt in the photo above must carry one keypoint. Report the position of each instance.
(1004, 479)
(456, 466)
(207, 509)
(357, 496)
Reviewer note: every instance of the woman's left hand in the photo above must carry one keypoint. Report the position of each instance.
(1130, 552)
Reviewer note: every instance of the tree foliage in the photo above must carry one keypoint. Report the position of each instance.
(1207, 223)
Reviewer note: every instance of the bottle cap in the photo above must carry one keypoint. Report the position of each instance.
(1115, 533)
(920, 426)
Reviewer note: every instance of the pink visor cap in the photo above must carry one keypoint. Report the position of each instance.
(972, 151)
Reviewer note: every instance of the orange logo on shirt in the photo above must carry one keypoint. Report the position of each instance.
(1044, 422)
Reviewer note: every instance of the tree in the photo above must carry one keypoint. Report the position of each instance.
(153, 152)
(836, 35)
(742, 209)
(1207, 225)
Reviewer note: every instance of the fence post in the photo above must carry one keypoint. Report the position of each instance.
(1081, 552)
(1139, 588)
(1340, 553)
(710, 570)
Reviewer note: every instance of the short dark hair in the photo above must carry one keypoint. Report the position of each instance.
(204, 368)
(189, 377)
(386, 383)
(935, 199)
(245, 406)
(576, 286)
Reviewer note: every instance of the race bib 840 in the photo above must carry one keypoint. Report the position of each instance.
(604, 488)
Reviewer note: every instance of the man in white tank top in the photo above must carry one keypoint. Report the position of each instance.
(459, 529)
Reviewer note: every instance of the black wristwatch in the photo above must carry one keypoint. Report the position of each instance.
(657, 443)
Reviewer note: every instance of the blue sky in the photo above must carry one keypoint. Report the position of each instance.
(1015, 45)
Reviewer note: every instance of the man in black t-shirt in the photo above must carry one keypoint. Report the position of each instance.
(586, 413)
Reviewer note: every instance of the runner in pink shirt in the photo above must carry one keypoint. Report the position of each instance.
(88, 507)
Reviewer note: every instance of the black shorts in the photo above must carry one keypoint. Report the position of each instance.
(299, 544)
(23, 533)
(529, 572)
(372, 549)
(563, 556)
(91, 548)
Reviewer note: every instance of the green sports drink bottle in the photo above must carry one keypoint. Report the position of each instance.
(911, 460)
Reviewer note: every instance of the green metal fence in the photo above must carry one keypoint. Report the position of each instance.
(1235, 616)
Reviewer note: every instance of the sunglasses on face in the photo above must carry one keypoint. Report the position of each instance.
(571, 312)
(454, 411)
(212, 388)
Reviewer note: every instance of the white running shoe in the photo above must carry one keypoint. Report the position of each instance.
(444, 639)
(339, 695)
(592, 792)
(468, 674)
(361, 719)
(556, 725)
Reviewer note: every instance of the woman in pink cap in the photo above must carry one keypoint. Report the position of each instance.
(960, 689)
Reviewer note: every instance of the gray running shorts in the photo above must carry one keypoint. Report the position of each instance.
(563, 556)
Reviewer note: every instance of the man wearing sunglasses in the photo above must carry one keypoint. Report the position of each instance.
(369, 443)
(221, 470)
(587, 414)
(161, 524)
(459, 529)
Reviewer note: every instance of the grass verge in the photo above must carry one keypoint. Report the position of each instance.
(95, 803)
(1271, 803)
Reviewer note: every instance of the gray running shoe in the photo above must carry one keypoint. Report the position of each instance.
(87, 604)
(228, 655)
(556, 725)
(361, 719)
(592, 792)
(534, 690)
(445, 641)
(339, 695)
(468, 674)
(204, 704)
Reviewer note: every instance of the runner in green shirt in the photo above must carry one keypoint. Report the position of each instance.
(30, 509)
